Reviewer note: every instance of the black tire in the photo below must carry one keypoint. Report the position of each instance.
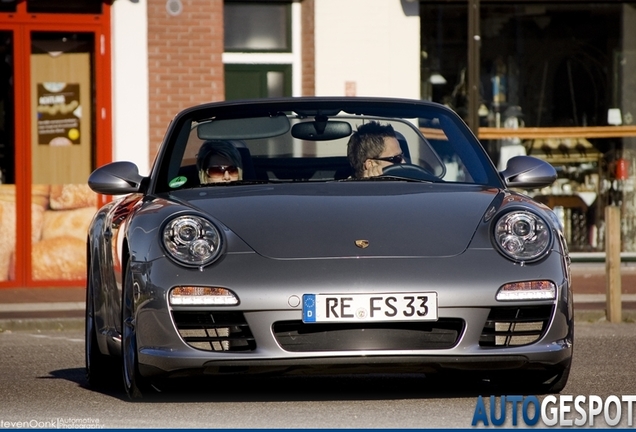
(134, 383)
(559, 380)
(552, 380)
(100, 368)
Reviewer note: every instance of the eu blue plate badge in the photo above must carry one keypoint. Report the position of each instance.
(309, 308)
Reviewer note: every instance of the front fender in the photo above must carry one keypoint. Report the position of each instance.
(105, 260)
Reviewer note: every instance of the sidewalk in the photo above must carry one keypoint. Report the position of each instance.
(63, 308)
(42, 308)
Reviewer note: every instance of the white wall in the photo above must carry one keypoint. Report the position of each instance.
(130, 83)
(371, 43)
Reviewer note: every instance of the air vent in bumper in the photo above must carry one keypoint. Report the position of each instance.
(295, 336)
(515, 326)
(214, 331)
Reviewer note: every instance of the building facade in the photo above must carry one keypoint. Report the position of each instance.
(85, 82)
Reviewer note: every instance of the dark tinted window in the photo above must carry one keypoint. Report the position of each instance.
(66, 6)
(257, 26)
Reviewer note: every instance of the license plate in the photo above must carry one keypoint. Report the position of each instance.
(370, 307)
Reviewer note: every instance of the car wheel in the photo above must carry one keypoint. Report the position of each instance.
(135, 384)
(100, 368)
(559, 380)
(535, 382)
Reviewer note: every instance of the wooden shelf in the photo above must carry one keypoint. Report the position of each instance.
(566, 201)
(486, 133)
(564, 160)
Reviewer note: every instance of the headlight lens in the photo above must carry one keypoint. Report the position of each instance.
(522, 236)
(192, 240)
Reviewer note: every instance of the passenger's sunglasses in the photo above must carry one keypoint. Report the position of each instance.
(392, 159)
(220, 170)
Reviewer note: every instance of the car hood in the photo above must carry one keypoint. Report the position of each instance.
(328, 220)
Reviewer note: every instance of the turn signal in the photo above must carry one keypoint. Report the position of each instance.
(199, 296)
(532, 290)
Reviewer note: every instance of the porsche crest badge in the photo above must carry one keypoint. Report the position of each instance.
(362, 244)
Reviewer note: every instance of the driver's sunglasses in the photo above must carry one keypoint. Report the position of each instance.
(392, 159)
(220, 170)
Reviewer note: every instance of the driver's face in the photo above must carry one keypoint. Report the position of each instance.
(374, 167)
(391, 148)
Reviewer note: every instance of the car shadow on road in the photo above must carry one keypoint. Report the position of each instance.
(286, 388)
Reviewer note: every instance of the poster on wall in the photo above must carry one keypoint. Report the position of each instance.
(59, 113)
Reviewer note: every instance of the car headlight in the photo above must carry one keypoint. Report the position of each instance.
(522, 236)
(192, 240)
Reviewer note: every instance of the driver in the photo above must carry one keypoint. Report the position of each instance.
(373, 147)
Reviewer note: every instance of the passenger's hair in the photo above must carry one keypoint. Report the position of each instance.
(367, 142)
(224, 149)
(218, 148)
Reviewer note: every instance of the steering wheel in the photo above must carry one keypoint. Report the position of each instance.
(409, 171)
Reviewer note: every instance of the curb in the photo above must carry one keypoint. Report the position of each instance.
(598, 316)
(40, 324)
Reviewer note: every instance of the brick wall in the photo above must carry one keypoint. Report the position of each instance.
(185, 63)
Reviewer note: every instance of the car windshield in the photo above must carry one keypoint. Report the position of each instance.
(305, 145)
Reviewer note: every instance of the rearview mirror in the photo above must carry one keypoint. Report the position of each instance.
(321, 130)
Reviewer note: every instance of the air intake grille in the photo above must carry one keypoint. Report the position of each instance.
(515, 326)
(214, 331)
(295, 336)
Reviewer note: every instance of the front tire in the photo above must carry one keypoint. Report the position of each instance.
(558, 382)
(100, 368)
(535, 382)
(134, 383)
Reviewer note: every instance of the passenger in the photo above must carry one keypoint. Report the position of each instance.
(372, 148)
(219, 162)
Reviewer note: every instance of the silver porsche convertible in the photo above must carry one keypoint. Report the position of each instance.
(322, 235)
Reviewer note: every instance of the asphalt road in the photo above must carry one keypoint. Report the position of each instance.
(42, 385)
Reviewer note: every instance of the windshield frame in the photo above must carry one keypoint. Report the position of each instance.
(416, 114)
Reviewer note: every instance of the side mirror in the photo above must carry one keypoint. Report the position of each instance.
(116, 178)
(528, 172)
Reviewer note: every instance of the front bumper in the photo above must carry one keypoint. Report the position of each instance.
(466, 293)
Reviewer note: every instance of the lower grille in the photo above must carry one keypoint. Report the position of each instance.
(295, 336)
(214, 331)
(515, 326)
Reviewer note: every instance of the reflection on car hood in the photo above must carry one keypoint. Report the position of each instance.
(325, 220)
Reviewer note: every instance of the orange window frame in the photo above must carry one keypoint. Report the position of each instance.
(22, 24)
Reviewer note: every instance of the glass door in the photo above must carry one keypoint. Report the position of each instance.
(62, 147)
(257, 81)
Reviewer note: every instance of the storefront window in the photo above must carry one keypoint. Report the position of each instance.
(564, 69)
(7, 157)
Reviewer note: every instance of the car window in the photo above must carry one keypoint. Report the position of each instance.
(295, 147)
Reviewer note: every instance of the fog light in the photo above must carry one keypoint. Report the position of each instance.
(192, 295)
(532, 290)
